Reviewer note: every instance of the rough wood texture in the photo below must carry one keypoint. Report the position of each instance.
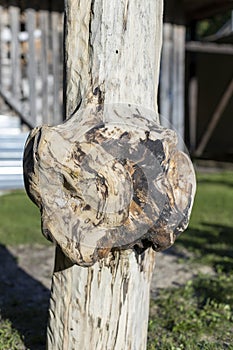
(15, 52)
(115, 45)
(32, 67)
(110, 182)
(114, 312)
(109, 179)
(44, 24)
(31, 59)
(172, 82)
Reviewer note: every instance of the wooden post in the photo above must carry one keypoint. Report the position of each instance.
(166, 81)
(172, 78)
(44, 24)
(56, 64)
(1, 46)
(15, 53)
(31, 64)
(105, 63)
(109, 181)
(193, 102)
(178, 69)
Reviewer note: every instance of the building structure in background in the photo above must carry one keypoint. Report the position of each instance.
(31, 56)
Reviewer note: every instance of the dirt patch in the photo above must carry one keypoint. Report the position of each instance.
(37, 261)
(171, 272)
(24, 292)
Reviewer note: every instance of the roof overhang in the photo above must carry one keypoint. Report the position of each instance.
(200, 9)
(186, 11)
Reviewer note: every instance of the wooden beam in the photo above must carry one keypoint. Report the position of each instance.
(31, 62)
(178, 72)
(172, 78)
(193, 101)
(56, 64)
(17, 107)
(207, 47)
(15, 52)
(44, 22)
(1, 26)
(215, 119)
(165, 81)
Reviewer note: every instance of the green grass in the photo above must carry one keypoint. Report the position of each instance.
(210, 232)
(9, 338)
(19, 220)
(196, 316)
(199, 314)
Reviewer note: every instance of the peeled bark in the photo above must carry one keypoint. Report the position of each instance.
(101, 307)
(110, 182)
(112, 52)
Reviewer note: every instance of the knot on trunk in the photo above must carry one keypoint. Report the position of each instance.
(108, 182)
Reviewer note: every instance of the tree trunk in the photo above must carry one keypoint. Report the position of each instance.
(112, 52)
(110, 181)
(112, 55)
(101, 307)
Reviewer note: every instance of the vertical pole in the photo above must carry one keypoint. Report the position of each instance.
(1, 46)
(172, 78)
(193, 101)
(56, 64)
(15, 53)
(112, 55)
(31, 62)
(178, 69)
(166, 97)
(44, 24)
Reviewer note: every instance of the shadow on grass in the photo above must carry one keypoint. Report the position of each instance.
(24, 301)
(214, 181)
(212, 245)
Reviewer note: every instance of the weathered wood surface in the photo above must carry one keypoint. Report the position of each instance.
(1, 25)
(31, 64)
(105, 185)
(110, 182)
(193, 102)
(56, 66)
(173, 74)
(103, 307)
(15, 52)
(44, 24)
(115, 45)
(208, 47)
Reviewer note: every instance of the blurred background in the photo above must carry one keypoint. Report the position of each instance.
(192, 287)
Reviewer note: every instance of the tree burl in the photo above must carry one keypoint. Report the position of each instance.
(106, 180)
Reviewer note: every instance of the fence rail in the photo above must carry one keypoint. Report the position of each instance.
(31, 69)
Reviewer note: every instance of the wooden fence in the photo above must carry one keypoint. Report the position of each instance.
(31, 68)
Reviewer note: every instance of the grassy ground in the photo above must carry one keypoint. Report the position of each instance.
(199, 314)
(20, 220)
(195, 316)
(9, 337)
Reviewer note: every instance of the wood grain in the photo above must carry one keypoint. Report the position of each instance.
(110, 182)
(107, 186)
